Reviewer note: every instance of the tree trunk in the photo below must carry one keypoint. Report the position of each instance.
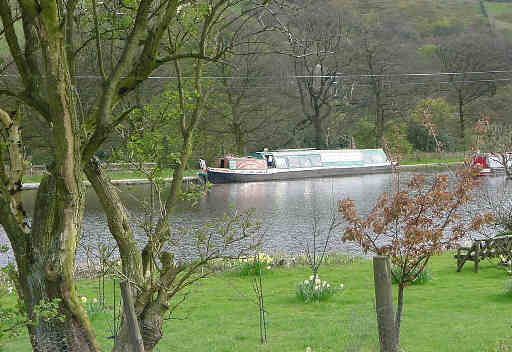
(46, 272)
(239, 138)
(320, 134)
(461, 118)
(45, 275)
(379, 119)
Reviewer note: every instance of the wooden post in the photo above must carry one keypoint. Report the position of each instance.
(131, 317)
(384, 304)
(477, 255)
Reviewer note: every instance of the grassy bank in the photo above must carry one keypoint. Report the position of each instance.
(120, 175)
(432, 158)
(452, 312)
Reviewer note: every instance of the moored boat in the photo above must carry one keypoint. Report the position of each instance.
(489, 163)
(298, 164)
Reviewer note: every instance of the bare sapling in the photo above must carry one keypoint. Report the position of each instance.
(316, 249)
(257, 285)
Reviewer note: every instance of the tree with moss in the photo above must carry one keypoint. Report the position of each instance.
(47, 41)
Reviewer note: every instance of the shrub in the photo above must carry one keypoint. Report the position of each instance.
(417, 277)
(316, 290)
(254, 265)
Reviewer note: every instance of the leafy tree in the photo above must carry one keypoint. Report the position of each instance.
(375, 54)
(240, 109)
(364, 133)
(469, 57)
(413, 224)
(317, 40)
(427, 113)
(395, 137)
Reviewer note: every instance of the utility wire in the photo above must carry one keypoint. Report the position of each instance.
(337, 75)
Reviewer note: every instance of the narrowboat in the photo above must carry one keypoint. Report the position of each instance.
(288, 164)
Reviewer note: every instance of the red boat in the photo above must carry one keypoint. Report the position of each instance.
(489, 164)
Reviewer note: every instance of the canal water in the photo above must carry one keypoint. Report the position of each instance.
(286, 209)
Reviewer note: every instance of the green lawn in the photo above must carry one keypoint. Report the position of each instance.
(453, 312)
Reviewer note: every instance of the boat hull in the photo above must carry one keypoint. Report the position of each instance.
(217, 175)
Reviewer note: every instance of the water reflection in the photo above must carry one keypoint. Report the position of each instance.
(285, 208)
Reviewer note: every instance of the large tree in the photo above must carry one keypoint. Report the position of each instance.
(317, 39)
(46, 40)
(468, 59)
(375, 55)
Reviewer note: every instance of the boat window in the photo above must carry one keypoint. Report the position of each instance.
(316, 161)
(375, 156)
(305, 162)
(281, 163)
(294, 162)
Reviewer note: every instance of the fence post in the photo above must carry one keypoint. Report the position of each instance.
(477, 255)
(135, 338)
(384, 303)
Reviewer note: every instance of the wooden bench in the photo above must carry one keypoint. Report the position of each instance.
(497, 247)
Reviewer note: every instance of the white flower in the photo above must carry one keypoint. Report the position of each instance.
(468, 243)
(306, 282)
(269, 267)
(312, 277)
(10, 289)
(318, 281)
(83, 299)
(317, 288)
(341, 286)
(328, 285)
(94, 300)
(308, 349)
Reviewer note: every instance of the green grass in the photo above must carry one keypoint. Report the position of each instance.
(431, 158)
(431, 161)
(119, 175)
(452, 312)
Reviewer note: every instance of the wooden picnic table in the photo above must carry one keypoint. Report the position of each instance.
(496, 247)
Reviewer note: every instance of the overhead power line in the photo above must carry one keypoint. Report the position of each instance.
(338, 75)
